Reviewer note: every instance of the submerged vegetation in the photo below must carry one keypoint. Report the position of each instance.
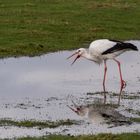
(136, 120)
(38, 124)
(36, 27)
(125, 136)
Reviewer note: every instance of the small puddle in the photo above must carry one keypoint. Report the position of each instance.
(41, 87)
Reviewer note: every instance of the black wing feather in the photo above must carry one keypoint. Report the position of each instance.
(120, 46)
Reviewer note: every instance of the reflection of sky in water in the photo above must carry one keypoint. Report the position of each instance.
(52, 74)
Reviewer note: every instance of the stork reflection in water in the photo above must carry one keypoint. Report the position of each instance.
(100, 113)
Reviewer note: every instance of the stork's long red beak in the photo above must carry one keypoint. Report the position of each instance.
(74, 110)
(78, 56)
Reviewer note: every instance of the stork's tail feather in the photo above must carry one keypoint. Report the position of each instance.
(131, 46)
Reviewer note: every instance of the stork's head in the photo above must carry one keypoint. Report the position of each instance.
(80, 52)
(79, 110)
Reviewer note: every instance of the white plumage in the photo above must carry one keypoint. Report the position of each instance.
(102, 50)
(97, 47)
(101, 45)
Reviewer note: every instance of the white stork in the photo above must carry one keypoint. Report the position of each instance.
(100, 51)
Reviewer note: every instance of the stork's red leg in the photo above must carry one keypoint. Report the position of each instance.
(105, 70)
(123, 83)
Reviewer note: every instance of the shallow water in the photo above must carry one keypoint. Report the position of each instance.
(41, 87)
(52, 75)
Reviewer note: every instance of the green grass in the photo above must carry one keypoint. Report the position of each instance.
(125, 136)
(38, 124)
(36, 27)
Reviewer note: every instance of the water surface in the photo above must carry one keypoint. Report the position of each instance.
(52, 75)
(40, 88)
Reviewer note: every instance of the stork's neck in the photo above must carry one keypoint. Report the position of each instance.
(88, 56)
(86, 112)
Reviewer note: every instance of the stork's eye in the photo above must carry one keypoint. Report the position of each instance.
(78, 108)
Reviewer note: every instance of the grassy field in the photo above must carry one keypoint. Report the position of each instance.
(36, 27)
(125, 136)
